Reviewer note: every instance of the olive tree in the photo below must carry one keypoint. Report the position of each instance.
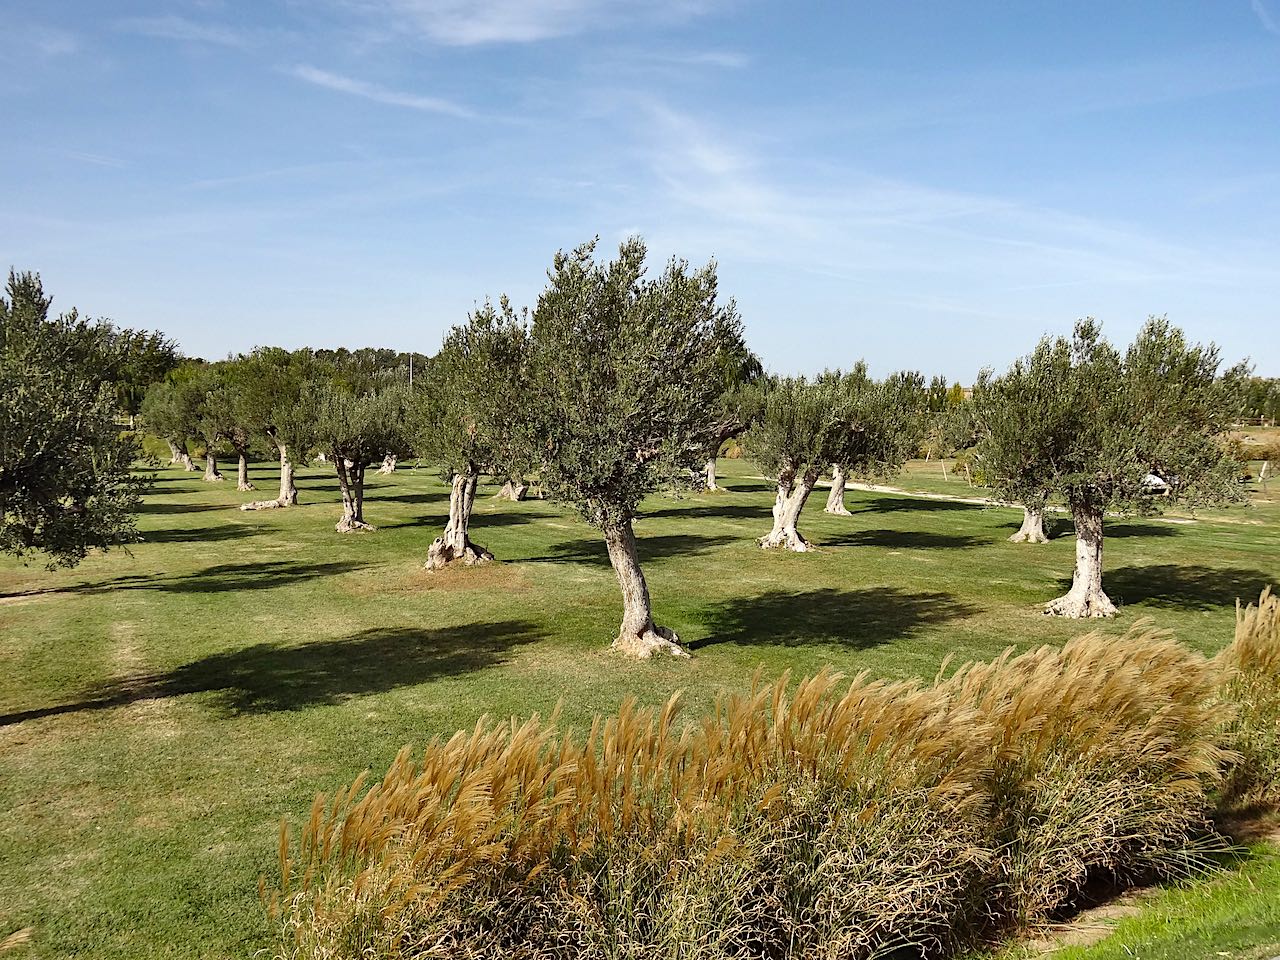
(797, 431)
(66, 483)
(171, 410)
(624, 380)
(1107, 424)
(224, 419)
(879, 428)
(468, 415)
(739, 369)
(267, 394)
(354, 430)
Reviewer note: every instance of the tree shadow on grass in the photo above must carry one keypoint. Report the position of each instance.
(1183, 586)
(592, 550)
(184, 507)
(479, 521)
(895, 504)
(855, 619)
(429, 496)
(223, 578)
(717, 511)
(266, 678)
(226, 531)
(903, 540)
(1137, 530)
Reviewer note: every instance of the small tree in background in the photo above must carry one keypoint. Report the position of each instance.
(267, 394)
(739, 369)
(1019, 433)
(468, 417)
(224, 418)
(1108, 423)
(797, 431)
(879, 429)
(171, 410)
(355, 431)
(66, 483)
(623, 392)
(145, 358)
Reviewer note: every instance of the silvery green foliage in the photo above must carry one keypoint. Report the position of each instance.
(625, 378)
(66, 484)
(1079, 420)
(469, 406)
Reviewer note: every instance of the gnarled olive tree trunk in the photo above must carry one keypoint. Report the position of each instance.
(178, 456)
(835, 499)
(288, 490)
(454, 544)
(388, 464)
(1032, 529)
(710, 472)
(1086, 597)
(243, 483)
(515, 490)
(211, 472)
(638, 636)
(351, 480)
(793, 491)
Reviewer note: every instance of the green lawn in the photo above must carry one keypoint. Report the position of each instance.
(160, 711)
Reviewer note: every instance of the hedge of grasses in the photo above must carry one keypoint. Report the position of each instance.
(821, 819)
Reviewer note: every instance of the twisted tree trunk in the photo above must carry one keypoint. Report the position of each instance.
(835, 499)
(1086, 597)
(1032, 529)
(793, 491)
(638, 636)
(454, 544)
(174, 453)
(351, 480)
(242, 473)
(288, 490)
(388, 464)
(211, 472)
(710, 471)
(515, 489)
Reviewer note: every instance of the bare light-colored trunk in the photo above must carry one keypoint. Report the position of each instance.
(174, 453)
(388, 464)
(288, 489)
(455, 544)
(515, 490)
(793, 491)
(1086, 597)
(242, 474)
(638, 636)
(1032, 529)
(211, 472)
(351, 480)
(710, 471)
(835, 499)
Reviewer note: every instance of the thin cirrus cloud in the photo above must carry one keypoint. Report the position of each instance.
(184, 30)
(1264, 16)
(379, 93)
(475, 22)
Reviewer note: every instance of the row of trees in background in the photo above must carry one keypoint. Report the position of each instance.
(618, 384)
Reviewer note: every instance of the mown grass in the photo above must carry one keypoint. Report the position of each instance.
(160, 711)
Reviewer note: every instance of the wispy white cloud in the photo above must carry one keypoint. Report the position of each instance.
(378, 93)
(184, 30)
(97, 159)
(41, 40)
(1264, 16)
(476, 22)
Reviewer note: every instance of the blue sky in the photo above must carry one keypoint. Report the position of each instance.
(927, 184)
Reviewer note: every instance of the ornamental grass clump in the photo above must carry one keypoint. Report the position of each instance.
(820, 822)
(1251, 683)
(1102, 767)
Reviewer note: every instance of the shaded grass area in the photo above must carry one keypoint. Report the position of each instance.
(161, 709)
